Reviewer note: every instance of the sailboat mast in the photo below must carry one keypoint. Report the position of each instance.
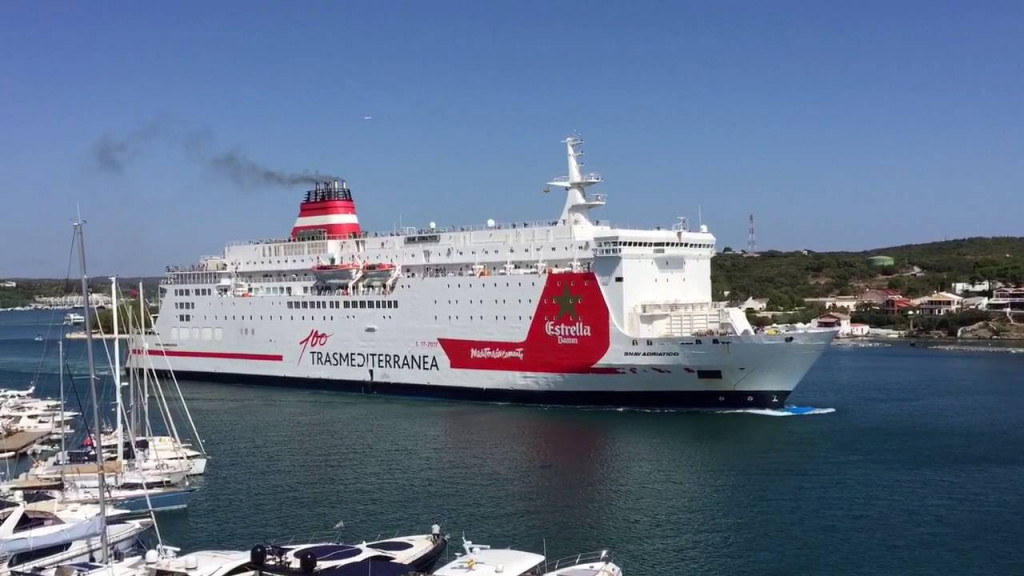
(117, 373)
(95, 397)
(141, 344)
(63, 425)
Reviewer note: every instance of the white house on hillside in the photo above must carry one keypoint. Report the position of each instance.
(833, 320)
(939, 303)
(755, 304)
(962, 287)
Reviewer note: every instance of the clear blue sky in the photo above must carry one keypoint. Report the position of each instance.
(840, 125)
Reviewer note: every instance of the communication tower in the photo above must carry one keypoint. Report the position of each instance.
(751, 238)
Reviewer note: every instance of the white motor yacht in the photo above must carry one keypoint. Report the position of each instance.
(121, 537)
(417, 553)
(7, 393)
(27, 526)
(162, 561)
(480, 560)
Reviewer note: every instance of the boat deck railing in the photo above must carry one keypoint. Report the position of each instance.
(584, 558)
(413, 231)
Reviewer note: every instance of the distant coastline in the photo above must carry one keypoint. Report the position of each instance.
(80, 335)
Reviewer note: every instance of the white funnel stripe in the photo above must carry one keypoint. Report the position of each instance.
(326, 220)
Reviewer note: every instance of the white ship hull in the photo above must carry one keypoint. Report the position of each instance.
(512, 356)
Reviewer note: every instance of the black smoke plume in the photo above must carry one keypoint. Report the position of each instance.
(114, 154)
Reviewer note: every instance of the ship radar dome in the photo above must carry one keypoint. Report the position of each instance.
(490, 223)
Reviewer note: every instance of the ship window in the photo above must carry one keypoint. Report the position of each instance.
(346, 304)
(289, 304)
(305, 304)
(709, 374)
(618, 278)
(362, 304)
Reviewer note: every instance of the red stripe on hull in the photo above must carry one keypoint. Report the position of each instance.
(218, 355)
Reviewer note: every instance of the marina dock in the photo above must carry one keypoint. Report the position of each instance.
(19, 442)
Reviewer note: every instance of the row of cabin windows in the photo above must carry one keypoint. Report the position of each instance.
(269, 317)
(185, 305)
(197, 291)
(380, 258)
(496, 301)
(503, 318)
(507, 285)
(346, 304)
(630, 244)
(195, 333)
(253, 317)
(182, 332)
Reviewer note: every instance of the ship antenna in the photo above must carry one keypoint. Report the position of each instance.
(577, 203)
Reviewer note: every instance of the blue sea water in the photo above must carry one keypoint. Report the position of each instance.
(893, 460)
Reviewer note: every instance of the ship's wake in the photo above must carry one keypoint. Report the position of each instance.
(785, 411)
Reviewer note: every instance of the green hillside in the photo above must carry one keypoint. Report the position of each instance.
(786, 278)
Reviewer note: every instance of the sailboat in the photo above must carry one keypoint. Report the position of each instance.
(135, 483)
(167, 451)
(43, 531)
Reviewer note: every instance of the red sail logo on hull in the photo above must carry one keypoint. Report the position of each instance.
(315, 339)
(569, 333)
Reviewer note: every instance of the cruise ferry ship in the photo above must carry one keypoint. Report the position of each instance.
(565, 311)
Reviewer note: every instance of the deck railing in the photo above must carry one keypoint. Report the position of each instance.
(584, 558)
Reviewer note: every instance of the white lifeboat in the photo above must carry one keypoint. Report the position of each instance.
(380, 270)
(379, 273)
(332, 273)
